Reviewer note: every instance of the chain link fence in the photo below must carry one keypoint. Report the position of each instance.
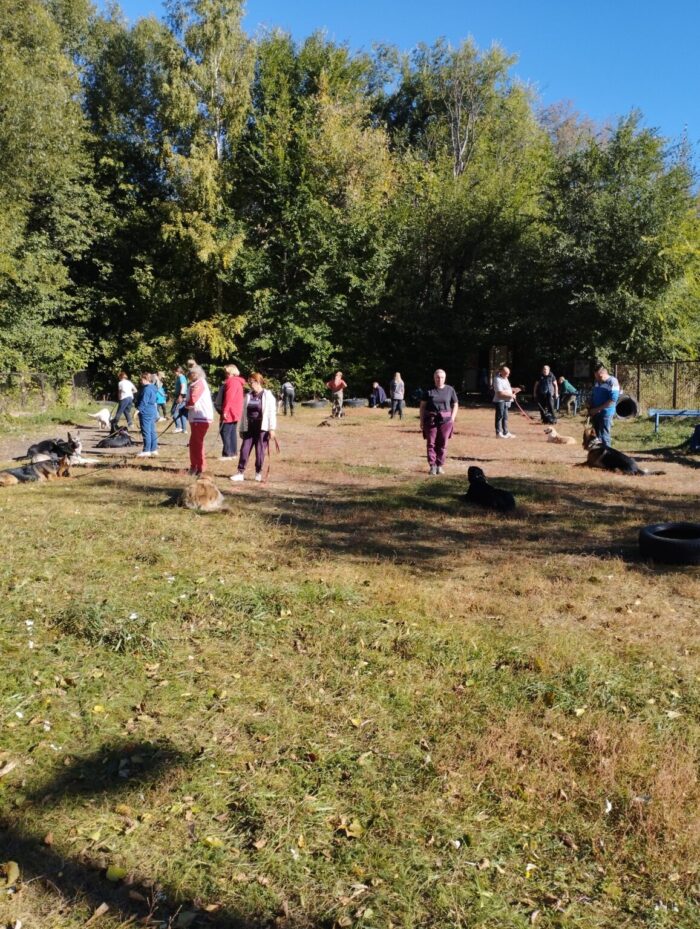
(34, 391)
(668, 385)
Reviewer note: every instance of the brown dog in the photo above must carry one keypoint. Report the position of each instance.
(39, 471)
(553, 436)
(202, 495)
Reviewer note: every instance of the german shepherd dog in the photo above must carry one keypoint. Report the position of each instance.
(49, 470)
(607, 458)
(53, 448)
(484, 494)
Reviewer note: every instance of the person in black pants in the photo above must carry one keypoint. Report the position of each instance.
(288, 394)
(545, 392)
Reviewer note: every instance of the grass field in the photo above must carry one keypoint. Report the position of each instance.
(348, 700)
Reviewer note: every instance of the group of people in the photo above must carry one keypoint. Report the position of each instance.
(251, 414)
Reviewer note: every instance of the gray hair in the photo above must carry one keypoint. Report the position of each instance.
(196, 372)
(439, 371)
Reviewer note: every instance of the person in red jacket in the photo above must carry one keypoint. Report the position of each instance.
(230, 406)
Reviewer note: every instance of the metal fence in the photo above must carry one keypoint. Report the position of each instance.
(673, 385)
(34, 390)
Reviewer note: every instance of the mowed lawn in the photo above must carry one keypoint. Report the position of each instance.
(349, 700)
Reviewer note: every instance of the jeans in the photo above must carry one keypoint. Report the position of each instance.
(255, 437)
(397, 407)
(229, 437)
(126, 407)
(288, 401)
(179, 415)
(602, 424)
(502, 417)
(149, 433)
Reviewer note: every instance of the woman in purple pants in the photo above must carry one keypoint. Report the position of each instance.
(438, 413)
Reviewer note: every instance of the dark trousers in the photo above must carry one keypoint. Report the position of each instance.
(602, 425)
(437, 435)
(229, 437)
(288, 402)
(254, 438)
(397, 407)
(546, 404)
(502, 417)
(126, 407)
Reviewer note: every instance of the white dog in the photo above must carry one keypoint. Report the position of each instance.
(553, 436)
(103, 418)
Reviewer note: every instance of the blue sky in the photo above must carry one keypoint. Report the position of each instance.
(606, 56)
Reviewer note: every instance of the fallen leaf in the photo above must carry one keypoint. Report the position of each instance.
(98, 708)
(48, 838)
(115, 873)
(6, 768)
(260, 844)
(213, 841)
(9, 873)
(100, 911)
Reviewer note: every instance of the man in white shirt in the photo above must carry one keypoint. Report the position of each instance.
(125, 393)
(503, 396)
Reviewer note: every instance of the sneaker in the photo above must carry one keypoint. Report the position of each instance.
(499, 435)
(154, 454)
(433, 470)
(175, 431)
(238, 476)
(144, 455)
(509, 435)
(440, 469)
(258, 476)
(161, 419)
(226, 458)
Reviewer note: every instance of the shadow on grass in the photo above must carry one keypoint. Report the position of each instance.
(138, 898)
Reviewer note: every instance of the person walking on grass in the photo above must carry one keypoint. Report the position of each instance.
(545, 391)
(178, 411)
(230, 406)
(200, 412)
(337, 385)
(146, 404)
(125, 395)
(257, 427)
(161, 396)
(397, 391)
(438, 414)
(503, 396)
(604, 397)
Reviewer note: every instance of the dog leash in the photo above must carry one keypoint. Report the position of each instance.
(269, 458)
(527, 416)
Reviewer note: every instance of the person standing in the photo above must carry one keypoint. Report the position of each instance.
(178, 411)
(438, 414)
(397, 390)
(230, 409)
(258, 424)
(125, 395)
(545, 392)
(200, 412)
(146, 404)
(337, 385)
(377, 397)
(503, 396)
(161, 396)
(604, 397)
(288, 394)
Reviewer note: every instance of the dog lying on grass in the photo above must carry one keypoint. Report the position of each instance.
(120, 439)
(49, 470)
(53, 449)
(607, 458)
(484, 494)
(202, 495)
(104, 420)
(553, 436)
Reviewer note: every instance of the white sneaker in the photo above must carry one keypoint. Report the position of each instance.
(509, 435)
(154, 454)
(175, 431)
(226, 458)
(237, 477)
(161, 419)
(499, 435)
(144, 455)
(258, 476)
(440, 469)
(433, 470)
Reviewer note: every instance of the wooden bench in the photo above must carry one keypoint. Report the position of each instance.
(657, 414)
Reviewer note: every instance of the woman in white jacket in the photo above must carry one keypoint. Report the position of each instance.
(200, 412)
(257, 425)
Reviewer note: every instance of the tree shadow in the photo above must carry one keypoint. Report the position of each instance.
(108, 772)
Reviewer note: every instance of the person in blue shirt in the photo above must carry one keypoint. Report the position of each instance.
(147, 406)
(601, 407)
(178, 411)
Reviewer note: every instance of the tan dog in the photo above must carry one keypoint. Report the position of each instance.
(39, 471)
(202, 495)
(553, 436)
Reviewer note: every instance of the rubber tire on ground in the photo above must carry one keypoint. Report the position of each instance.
(355, 401)
(626, 407)
(671, 543)
(315, 404)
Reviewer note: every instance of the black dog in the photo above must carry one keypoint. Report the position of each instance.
(121, 439)
(482, 493)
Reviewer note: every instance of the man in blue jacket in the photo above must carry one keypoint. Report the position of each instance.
(601, 408)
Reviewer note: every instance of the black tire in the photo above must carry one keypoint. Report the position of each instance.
(355, 401)
(626, 407)
(671, 543)
(315, 404)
